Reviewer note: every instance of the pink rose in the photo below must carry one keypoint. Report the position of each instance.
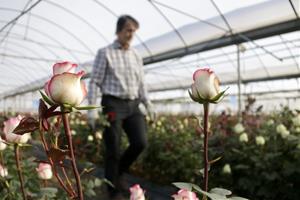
(65, 86)
(136, 193)
(184, 194)
(205, 86)
(9, 126)
(44, 171)
(3, 171)
(2, 145)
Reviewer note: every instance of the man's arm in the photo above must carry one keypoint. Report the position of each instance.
(97, 76)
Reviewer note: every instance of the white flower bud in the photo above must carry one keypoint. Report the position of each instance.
(226, 169)
(90, 138)
(238, 128)
(206, 84)
(44, 171)
(3, 171)
(243, 137)
(2, 145)
(65, 87)
(296, 120)
(260, 140)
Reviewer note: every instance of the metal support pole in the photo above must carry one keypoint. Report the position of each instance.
(239, 82)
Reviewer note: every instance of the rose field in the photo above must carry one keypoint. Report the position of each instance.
(261, 150)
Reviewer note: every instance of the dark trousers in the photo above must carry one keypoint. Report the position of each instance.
(122, 114)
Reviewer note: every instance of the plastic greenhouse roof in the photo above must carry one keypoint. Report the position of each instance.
(175, 38)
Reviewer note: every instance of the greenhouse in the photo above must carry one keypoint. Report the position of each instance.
(150, 99)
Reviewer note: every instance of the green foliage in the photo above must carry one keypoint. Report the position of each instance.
(174, 153)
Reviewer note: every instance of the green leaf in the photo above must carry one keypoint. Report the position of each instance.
(215, 160)
(237, 198)
(217, 98)
(200, 98)
(220, 191)
(210, 195)
(182, 185)
(89, 107)
(46, 99)
(48, 191)
(192, 96)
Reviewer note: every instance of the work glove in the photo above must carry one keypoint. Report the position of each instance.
(151, 112)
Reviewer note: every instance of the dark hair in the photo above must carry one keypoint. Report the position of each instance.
(122, 21)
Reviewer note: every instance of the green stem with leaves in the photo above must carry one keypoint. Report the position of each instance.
(1, 158)
(70, 146)
(70, 191)
(17, 157)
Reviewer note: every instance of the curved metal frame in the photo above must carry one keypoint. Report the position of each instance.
(23, 68)
(50, 38)
(54, 24)
(78, 17)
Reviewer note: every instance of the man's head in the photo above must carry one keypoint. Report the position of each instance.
(126, 27)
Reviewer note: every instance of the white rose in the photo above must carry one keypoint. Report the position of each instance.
(205, 86)
(243, 137)
(270, 122)
(44, 171)
(98, 135)
(284, 133)
(3, 171)
(226, 169)
(90, 138)
(238, 128)
(280, 128)
(296, 120)
(73, 132)
(65, 87)
(260, 140)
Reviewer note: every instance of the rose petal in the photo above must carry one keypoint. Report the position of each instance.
(60, 68)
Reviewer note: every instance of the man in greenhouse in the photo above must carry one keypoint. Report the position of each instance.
(118, 73)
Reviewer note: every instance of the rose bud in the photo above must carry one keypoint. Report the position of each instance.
(44, 171)
(205, 88)
(67, 88)
(8, 129)
(3, 171)
(136, 193)
(184, 194)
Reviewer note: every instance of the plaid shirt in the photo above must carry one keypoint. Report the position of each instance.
(118, 72)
